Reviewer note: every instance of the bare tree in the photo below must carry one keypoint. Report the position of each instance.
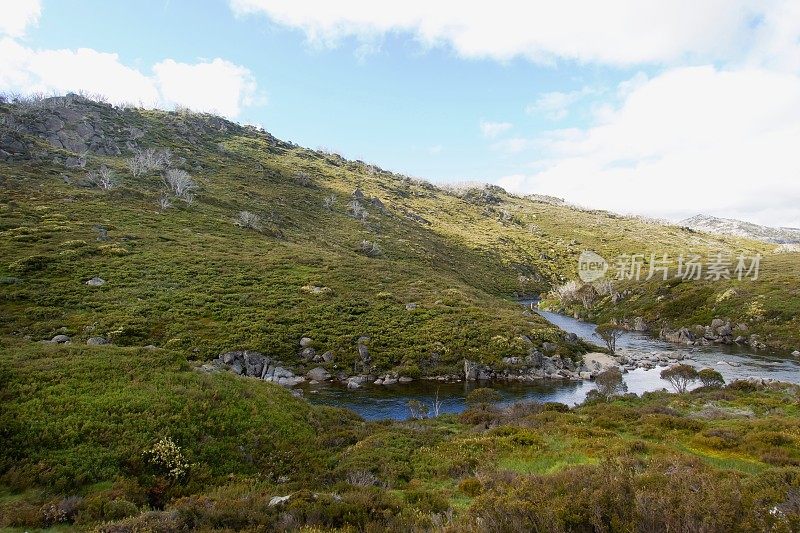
(437, 404)
(180, 183)
(329, 201)
(149, 160)
(370, 249)
(164, 201)
(102, 178)
(357, 211)
(249, 220)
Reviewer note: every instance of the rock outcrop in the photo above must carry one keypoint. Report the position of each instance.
(257, 365)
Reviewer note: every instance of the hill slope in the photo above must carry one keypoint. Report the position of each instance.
(340, 249)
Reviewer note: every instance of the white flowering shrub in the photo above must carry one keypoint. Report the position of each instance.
(167, 457)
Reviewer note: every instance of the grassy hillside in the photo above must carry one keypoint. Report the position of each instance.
(189, 278)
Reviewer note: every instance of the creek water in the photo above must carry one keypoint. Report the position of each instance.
(377, 402)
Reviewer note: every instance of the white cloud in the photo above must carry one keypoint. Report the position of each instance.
(690, 140)
(556, 105)
(218, 86)
(490, 130)
(17, 15)
(620, 32)
(214, 86)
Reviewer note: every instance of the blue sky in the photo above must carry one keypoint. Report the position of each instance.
(663, 111)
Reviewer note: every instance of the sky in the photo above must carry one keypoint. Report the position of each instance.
(664, 109)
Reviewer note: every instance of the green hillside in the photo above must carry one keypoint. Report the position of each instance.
(190, 277)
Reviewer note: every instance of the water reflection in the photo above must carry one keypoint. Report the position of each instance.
(376, 402)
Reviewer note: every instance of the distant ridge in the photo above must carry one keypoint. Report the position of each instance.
(740, 228)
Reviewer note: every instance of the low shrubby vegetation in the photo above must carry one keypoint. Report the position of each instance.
(95, 438)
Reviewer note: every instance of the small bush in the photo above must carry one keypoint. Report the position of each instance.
(471, 486)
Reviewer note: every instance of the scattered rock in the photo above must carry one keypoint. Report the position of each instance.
(549, 347)
(327, 356)
(405, 379)
(277, 500)
(60, 339)
(308, 354)
(318, 374)
(255, 364)
(411, 306)
(96, 282)
(97, 341)
(305, 342)
(355, 382)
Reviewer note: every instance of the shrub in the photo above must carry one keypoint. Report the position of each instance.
(711, 378)
(167, 458)
(470, 486)
(680, 376)
(609, 333)
(483, 397)
(610, 383)
(249, 220)
(31, 263)
(303, 179)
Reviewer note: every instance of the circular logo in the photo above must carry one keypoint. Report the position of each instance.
(591, 266)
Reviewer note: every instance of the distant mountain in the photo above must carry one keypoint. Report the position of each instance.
(740, 228)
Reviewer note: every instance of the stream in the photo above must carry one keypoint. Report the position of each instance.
(378, 402)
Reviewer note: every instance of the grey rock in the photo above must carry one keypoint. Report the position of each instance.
(549, 347)
(411, 306)
(639, 324)
(406, 379)
(96, 282)
(717, 322)
(318, 374)
(97, 341)
(796, 353)
(305, 342)
(358, 194)
(53, 124)
(60, 339)
(254, 363)
(355, 382)
(308, 354)
(724, 330)
(327, 356)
